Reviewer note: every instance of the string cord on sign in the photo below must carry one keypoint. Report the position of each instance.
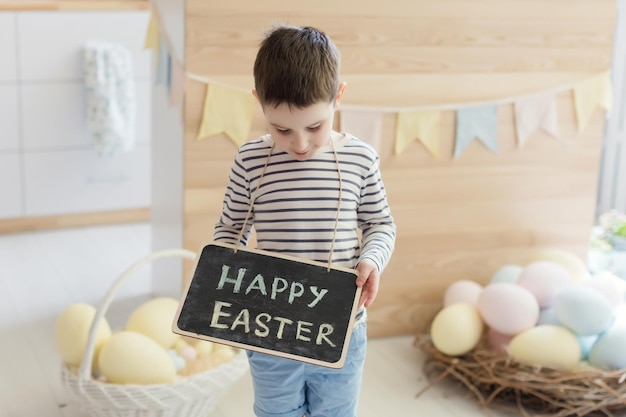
(339, 200)
(256, 192)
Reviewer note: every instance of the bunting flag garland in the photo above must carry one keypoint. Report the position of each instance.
(168, 69)
(152, 34)
(365, 125)
(589, 94)
(227, 110)
(535, 112)
(177, 87)
(478, 122)
(162, 65)
(168, 78)
(421, 125)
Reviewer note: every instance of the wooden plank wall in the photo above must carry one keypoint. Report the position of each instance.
(457, 219)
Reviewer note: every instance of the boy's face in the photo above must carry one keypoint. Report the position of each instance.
(301, 132)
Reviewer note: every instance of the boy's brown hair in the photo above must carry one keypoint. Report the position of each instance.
(298, 66)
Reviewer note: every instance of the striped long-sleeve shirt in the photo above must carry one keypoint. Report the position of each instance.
(295, 208)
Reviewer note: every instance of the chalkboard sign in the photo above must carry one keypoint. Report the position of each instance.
(270, 303)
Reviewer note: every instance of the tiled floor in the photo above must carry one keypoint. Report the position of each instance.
(44, 272)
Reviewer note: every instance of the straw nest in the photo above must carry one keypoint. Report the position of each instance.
(499, 382)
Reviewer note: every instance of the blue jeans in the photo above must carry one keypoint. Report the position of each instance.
(289, 388)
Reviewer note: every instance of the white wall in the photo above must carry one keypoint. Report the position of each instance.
(612, 187)
(167, 160)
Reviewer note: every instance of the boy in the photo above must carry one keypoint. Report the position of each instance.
(308, 190)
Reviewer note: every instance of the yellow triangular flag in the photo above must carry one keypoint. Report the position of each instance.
(421, 125)
(226, 110)
(589, 94)
(152, 34)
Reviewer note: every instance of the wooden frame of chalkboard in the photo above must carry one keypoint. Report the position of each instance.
(270, 303)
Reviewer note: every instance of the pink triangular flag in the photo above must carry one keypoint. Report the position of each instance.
(535, 112)
(177, 88)
(364, 124)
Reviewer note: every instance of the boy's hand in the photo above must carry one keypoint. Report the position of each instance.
(368, 279)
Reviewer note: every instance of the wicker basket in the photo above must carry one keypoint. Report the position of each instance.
(192, 396)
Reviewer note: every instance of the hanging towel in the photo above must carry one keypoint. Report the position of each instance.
(111, 101)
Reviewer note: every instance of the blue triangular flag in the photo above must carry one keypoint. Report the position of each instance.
(161, 75)
(478, 122)
(168, 81)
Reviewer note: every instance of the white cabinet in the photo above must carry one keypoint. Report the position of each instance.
(10, 178)
(48, 165)
(50, 43)
(53, 115)
(10, 186)
(8, 66)
(9, 130)
(81, 181)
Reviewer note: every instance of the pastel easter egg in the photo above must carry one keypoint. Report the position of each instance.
(548, 316)
(222, 353)
(154, 319)
(204, 348)
(583, 310)
(180, 344)
(506, 273)
(586, 343)
(547, 345)
(545, 279)
(463, 291)
(456, 329)
(619, 315)
(188, 353)
(508, 308)
(71, 332)
(609, 285)
(498, 341)
(133, 358)
(569, 260)
(608, 351)
(178, 360)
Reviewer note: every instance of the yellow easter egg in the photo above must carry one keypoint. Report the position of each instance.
(573, 263)
(180, 344)
(72, 330)
(204, 347)
(547, 345)
(133, 358)
(222, 353)
(456, 329)
(154, 319)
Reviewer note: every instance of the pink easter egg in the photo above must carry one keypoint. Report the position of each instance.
(544, 279)
(188, 352)
(498, 341)
(508, 308)
(463, 291)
